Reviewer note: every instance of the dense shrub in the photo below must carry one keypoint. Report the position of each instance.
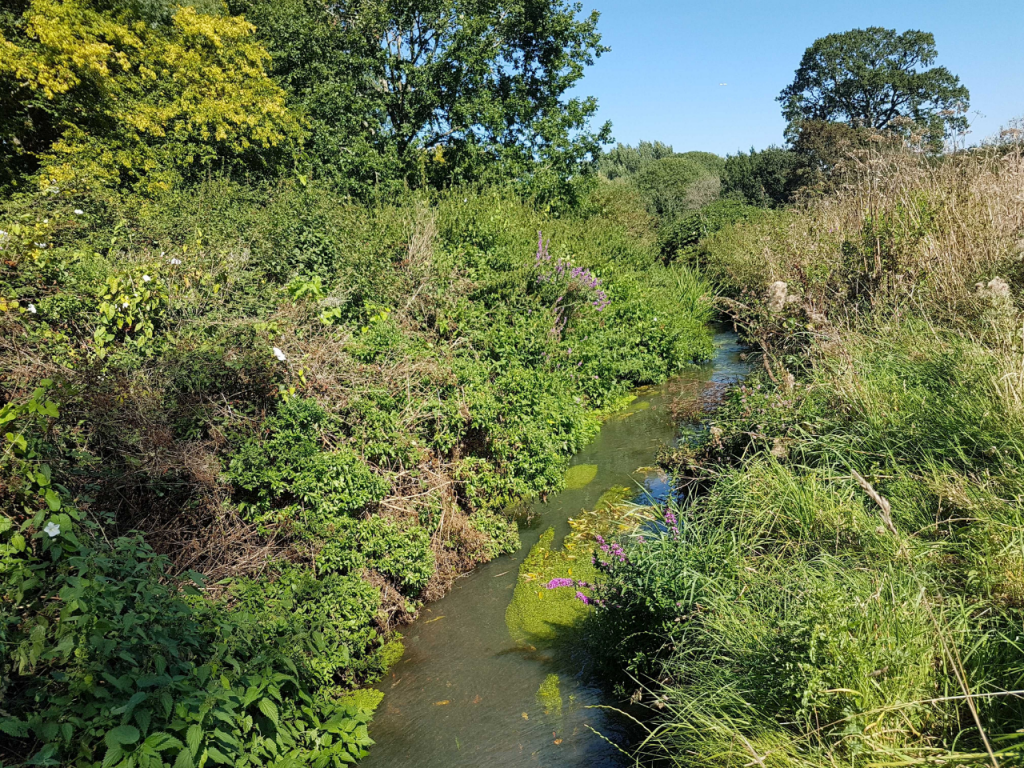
(625, 161)
(679, 239)
(111, 664)
(711, 162)
(327, 405)
(677, 184)
(768, 178)
(288, 475)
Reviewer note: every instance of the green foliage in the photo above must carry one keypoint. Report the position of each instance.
(324, 625)
(824, 149)
(287, 474)
(767, 178)
(785, 586)
(115, 666)
(680, 238)
(437, 93)
(843, 571)
(677, 184)
(107, 99)
(625, 161)
(443, 377)
(709, 161)
(402, 554)
(872, 78)
(502, 532)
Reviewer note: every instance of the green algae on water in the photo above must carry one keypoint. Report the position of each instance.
(537, 614)
(549, 696)
(580, 476)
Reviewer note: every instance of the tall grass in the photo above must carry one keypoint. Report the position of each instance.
(848, 590)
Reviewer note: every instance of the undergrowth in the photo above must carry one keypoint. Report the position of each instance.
(251, 430)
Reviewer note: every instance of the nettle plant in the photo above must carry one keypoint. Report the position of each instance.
(579, 289)
(131, 308)
(106, 661)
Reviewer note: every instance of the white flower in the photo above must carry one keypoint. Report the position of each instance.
(52, 530)
(40, 245)
(32, 309)
(79, 211)
(279, 354)
(175, 262)
(46, 221)
(146, 278)
(124, 305)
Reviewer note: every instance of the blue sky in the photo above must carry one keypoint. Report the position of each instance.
(661, 79)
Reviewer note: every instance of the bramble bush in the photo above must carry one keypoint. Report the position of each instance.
(111, 663)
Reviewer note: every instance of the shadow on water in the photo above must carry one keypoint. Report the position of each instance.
(466, 692)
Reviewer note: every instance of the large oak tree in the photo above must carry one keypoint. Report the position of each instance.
(878, 79)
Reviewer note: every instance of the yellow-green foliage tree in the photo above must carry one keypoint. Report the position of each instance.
(101, 96)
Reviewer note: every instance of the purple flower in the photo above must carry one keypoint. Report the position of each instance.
(556, 583)
(583, 598)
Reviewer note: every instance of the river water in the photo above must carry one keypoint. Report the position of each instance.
(466, 693)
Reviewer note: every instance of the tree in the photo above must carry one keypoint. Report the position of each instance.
(675, 185)
(711, 162)
(139, 94)
(874, 78)
(767, 178)
(624, 160)
(444, 90)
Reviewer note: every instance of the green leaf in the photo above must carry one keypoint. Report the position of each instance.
(194, 737)
(184, 760)
(12, 726)
(217, 756)
(113, 756)
(161, 741)
(269, 708)
(52, 499)
(122, 734)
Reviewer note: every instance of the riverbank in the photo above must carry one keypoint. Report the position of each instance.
(496, 672)
(276, 423)
(843, 584)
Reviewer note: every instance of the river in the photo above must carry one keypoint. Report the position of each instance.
(466, 693)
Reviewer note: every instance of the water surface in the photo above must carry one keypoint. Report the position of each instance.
(466, 693)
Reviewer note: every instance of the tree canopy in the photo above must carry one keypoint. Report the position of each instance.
(96, 94)
(677, 184)
(625, 160)
(436, 91)
(876, 78)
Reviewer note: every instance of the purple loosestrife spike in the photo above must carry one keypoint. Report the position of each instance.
(556, 583)
(583, 598)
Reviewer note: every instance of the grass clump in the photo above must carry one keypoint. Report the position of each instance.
(839, 580)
